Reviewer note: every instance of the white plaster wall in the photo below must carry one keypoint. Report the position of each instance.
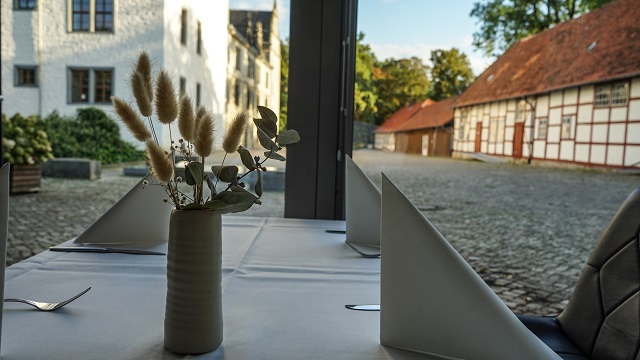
(618, 113)
(569, 110)
(566, 150)
(601, 115)
(583, 133)
(539, 148)
(508, 148)
(635, 88)
(615, 155)
(555, 116)
(553, 134)
(634, 110)
(617, 133)
(599, 134)
(542, 106)
(598, 154)
(556, 99)
(511, 105)
(586, 94)
(632, 155)
(571, 96)
(552, 151)
(633, 133)
(502, 108)
(584, 113)
(582, 152)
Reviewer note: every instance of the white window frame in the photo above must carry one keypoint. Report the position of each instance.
(92, 18)
(543, 126)
(566, 129)
(612, 94)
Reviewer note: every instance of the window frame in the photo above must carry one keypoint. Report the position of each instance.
(92, 86)
(183, 27)
(17, 5)
(17, 78)
(539, 134)
(92, 14)
(603, 95)
(566, 127)
(198, 93)
(199, 39)
(182, 89)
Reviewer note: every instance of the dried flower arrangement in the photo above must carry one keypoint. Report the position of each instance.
(196, 129)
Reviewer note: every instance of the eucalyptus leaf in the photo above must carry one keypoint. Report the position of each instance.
(274, 155)
(269, 128)
(225, 173)
(270, 118)
(288, 137)
(258, 187)
(211, 185)
(231, 201)
(266, 141)
(194, 172)
(247, 158)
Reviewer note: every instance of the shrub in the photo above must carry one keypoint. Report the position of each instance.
(90, 134)
(23, 140)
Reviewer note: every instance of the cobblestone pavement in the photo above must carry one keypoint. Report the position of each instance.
(526, 230)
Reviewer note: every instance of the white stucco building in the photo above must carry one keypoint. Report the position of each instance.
(65, 54)
(570, 94)
(253, 69)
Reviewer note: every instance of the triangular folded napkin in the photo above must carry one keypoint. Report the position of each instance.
(139, 217)
(433, 302)
(362, 213)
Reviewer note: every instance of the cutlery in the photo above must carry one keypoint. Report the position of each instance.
(95, 249)
(372, 307)
(45, 306)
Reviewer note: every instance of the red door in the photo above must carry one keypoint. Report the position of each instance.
(478, 135)
(518, 135)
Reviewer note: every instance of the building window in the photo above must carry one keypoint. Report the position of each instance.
(252, 68)
(238, 58)
(183, 86)
(249, 99)
(183, 28)
(26, 76)
(236, 94)
(566, 132)
(542, 129)
(91, 15)
(104, 15)
(199, 37)
(198, 89)
(24, 4)
(612, 94)
(86, 84)
(464, 124)
(79, 86)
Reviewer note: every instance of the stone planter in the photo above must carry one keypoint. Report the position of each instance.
(25, 178)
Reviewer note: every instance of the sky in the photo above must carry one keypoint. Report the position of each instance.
(402, 28)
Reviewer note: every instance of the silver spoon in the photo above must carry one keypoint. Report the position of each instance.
(44, 306)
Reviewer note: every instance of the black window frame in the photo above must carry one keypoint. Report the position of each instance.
(182, 89)
(95, 85)
(18, 79)
(83, 14)
(183, 27)
(25, 4)
(199, 39)
(106, 16)
(73, 99)
(198, 94)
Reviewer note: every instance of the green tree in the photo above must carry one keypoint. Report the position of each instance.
(451, 74)
(503, 22)
(365, 93)
(284, 84)
(399, 83)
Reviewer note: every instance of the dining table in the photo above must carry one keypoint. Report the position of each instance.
(285, 285)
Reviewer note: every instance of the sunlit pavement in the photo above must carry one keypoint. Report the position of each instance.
(526, 230)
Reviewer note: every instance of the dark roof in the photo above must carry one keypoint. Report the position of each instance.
(599, 46)
(400, 116)
(433, 115)
(240, 18)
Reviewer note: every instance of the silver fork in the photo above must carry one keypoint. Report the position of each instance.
(44, 306)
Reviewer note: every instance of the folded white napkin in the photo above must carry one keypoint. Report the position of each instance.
(362, 213)
(139, 217)
(4, 229)
(433, 302)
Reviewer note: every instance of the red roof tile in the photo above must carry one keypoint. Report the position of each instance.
(436, 114)
(402, 115)
(599, 46)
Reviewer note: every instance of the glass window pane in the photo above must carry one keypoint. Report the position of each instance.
(79, 86)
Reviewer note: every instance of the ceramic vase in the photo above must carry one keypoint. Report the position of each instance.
(193, 313)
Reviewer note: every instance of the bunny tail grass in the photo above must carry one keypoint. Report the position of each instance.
(161, 164)
(141, 94)
(235, 132)
(186, 119)
(203, 142)
(166, 101)
(143, 66)
(131, 119)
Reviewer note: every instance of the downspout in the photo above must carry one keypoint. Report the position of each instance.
(39, 69)
(533, 128)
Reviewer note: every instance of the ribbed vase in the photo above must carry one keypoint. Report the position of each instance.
(193, 313)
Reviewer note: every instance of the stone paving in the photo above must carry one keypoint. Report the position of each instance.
(526, 230)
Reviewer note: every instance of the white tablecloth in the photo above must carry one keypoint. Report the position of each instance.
(285, 284)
